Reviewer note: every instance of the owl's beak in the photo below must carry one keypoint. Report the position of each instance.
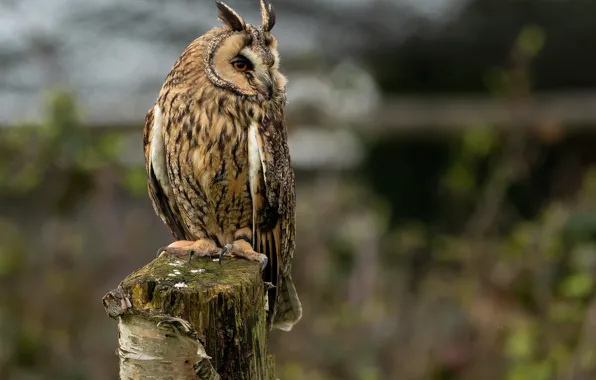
(267, 87)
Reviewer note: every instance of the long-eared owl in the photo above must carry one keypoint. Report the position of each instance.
(217, 158)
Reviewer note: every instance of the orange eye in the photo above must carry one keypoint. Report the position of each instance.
(240, 65)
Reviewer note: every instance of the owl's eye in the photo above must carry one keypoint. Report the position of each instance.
(241, 64)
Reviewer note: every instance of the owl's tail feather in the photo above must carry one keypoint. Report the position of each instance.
(288, 309)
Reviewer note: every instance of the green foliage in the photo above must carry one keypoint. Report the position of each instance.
(577, 285)
(62, 151)
(475, 147)
(135, 181)
(521, 343)
(531, 39)
(47, 172)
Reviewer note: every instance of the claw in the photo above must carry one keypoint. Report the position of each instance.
(264, 265)
(223, 251)
(160, 250)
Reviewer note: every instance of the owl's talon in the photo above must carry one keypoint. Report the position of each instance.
(241, 248)
(264, 263)
(160, 250)
(223, 251)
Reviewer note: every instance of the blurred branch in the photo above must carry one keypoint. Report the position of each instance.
(513, 86)
(492, 200)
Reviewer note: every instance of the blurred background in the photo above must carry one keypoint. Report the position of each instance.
(445, 160)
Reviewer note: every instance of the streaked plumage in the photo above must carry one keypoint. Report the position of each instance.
(218, 164)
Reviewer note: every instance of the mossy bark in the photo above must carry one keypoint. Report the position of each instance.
(192, 321)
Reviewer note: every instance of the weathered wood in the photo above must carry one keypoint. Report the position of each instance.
(200, 320)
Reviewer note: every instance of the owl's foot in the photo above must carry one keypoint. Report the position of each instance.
(186, 248)
(241, 248)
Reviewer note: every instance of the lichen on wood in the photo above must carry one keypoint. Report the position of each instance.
(192, 321)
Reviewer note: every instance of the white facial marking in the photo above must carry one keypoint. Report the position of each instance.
(276, 59)
(253, 57)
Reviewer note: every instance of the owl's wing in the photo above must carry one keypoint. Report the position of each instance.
(157, 179)
(274, 227)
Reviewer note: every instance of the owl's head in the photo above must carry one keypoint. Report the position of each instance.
(243, 58)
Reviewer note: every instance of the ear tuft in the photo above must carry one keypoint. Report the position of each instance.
(267, 15)
(229, 17)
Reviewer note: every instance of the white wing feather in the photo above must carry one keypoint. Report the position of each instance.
(158, 154)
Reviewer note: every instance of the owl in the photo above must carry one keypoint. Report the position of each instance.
(217, 159)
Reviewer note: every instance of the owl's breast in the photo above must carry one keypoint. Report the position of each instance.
(217, 177)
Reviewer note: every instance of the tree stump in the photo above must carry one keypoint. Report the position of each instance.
(202, 320)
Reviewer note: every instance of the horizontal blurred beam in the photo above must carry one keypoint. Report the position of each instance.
(456, 113)
(433, 113)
